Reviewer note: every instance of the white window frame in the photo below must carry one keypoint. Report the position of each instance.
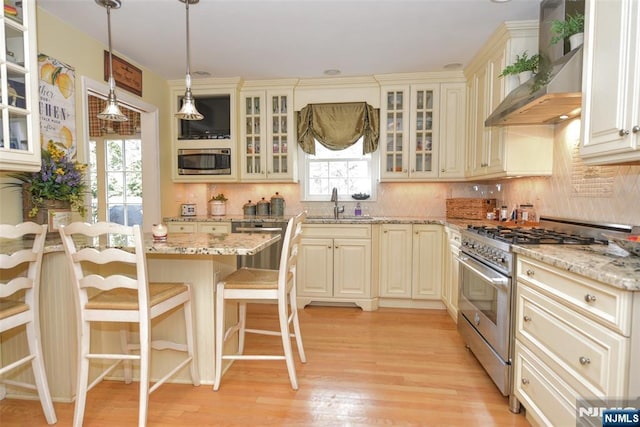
(303, 159)
(150, 135)
(103, 173)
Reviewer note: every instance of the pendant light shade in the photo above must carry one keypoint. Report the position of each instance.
(111, 112)
(188, 110)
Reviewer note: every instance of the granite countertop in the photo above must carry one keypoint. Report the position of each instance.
(315, 219)
(176, 243)
(608, 264)
(227, 218)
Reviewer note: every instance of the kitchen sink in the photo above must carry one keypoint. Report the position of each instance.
(340, 218)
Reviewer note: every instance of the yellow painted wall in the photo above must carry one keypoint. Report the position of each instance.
(63, 42)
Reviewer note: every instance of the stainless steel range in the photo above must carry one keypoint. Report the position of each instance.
(487, 286)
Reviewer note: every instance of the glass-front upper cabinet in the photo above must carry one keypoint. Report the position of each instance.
(394, 131)
(409, 132)
(424, 131)
(267, 135)
(19, 124)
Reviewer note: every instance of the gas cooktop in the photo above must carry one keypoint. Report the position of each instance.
(534, 236)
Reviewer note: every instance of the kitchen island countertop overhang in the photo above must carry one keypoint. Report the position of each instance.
(201, 259)
(176, 243)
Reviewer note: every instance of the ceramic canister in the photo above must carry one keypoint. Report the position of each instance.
(249, 208)
(277, 205)
(263, 207)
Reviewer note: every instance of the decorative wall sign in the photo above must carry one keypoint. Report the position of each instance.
(126, 75)
(58, 217)
(57, 104)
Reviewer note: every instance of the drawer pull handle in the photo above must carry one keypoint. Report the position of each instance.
(530, 273)
(527, 318)
(525, 381)
(590, 298)
(584, 360)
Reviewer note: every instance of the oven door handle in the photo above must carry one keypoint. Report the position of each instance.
(258, 229)
(478, 269)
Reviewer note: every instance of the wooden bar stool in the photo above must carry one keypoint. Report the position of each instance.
(16, 311)
(252, 284)
(109, 292)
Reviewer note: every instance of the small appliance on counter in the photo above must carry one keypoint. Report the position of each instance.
(188, 209)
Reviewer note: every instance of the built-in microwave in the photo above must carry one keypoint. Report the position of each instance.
(204, 161)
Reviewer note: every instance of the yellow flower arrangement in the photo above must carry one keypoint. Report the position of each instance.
(60, 178)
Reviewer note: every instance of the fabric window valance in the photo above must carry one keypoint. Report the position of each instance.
(98, 127)
(338, 126)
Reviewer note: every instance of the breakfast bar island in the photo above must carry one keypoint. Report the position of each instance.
(200, 259)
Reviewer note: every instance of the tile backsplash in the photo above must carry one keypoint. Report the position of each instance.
(609, 194)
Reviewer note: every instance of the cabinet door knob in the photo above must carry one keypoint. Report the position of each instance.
(530, 273)
(635, 129)
(328, 247)
(584, 360)
(525, 381)
(527, 318)
(441, 170)
(590, 298)
(623, 132)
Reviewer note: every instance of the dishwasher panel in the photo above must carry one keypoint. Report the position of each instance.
(269, 257)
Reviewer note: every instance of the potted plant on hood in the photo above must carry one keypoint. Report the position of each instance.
(523, 67)
(572, 28)
(217, 205)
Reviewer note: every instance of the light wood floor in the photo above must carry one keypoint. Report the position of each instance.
(387, 367)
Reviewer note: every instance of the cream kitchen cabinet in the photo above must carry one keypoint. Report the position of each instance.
(496, 152)
(213, 227)
(19, 121)
(396, 258)
(334, 265)
(451, 271)
(573, 340)
(422, 134)
(189, 134)
(453, 99)
(611, 82)
(267, 135)
(410, 265)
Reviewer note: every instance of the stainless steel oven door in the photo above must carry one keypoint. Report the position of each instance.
(485, 301)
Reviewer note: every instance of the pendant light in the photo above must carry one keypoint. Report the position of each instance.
(188, 110)
(111, 112)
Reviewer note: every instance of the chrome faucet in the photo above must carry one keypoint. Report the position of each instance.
(337, 210)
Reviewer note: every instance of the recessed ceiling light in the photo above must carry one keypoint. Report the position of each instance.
(453, 66)
(332, 72)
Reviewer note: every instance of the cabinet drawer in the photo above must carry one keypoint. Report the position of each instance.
(589, 356)
(604, 304)
(548, 400)
(181, 227)
(214, 227)
(345, 231)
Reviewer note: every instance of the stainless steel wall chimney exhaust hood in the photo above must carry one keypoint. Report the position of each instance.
(554, 94)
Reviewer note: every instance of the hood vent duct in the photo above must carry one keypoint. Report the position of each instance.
(554, 94)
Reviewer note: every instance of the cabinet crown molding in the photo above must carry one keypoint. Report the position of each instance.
(506, 32)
